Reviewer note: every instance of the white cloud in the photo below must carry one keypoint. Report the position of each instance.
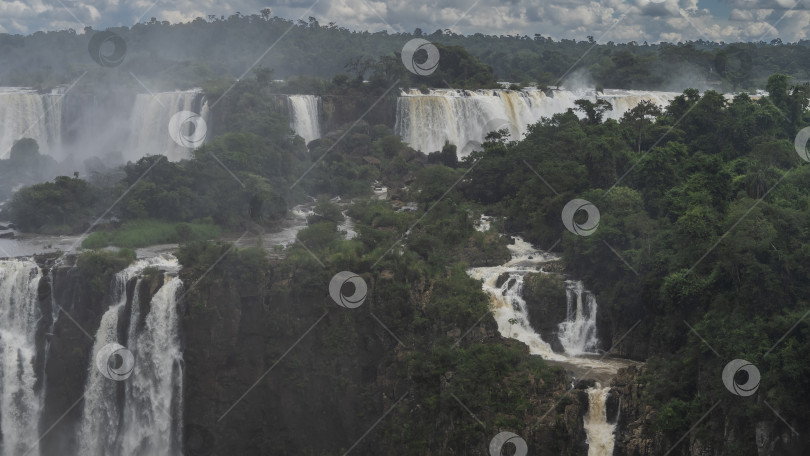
(640, 19)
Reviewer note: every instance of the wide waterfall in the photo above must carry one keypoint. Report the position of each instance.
(148, 420)
(26, 114)
(600, 433)
(464, 117)
(149, 123)
(305, 116)
(20, 399)
(577, 333)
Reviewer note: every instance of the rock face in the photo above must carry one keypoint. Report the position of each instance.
(546, 302)
(268, 372)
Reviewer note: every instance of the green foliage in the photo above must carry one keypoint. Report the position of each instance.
(63, 206)
(141, 233)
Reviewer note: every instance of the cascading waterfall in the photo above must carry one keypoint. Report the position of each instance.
(600, 433)
(25, 113)
(305, 116)
(149, 123)
(577, 333)
(426, 121)
(149, 421)
(20, 402)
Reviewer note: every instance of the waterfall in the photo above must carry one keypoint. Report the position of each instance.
(149, 420)
(149, 123)
(509, 307)
(463, 117)
(599, 431)
(577, 333)
(305, 116)
(21, 402)
(25, 113)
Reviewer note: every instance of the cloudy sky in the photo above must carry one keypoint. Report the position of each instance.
(605, 20)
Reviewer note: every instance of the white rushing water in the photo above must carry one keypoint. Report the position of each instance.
(20, 403)
(577, 333)
(24, 113)
(464, 117)
(149, 421)
(305, 116)
(599, 431)
(149, 123)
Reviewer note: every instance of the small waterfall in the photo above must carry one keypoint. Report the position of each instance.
(149, 420)
(426, 121)
(509, 307)
(600, 433)
(20, 401)
(25, 113)
(577, 333)
(305, 116)
(149, 123)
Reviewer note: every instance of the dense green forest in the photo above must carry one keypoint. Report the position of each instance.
(167, 56)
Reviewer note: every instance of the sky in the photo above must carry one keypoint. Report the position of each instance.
(605, 20)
